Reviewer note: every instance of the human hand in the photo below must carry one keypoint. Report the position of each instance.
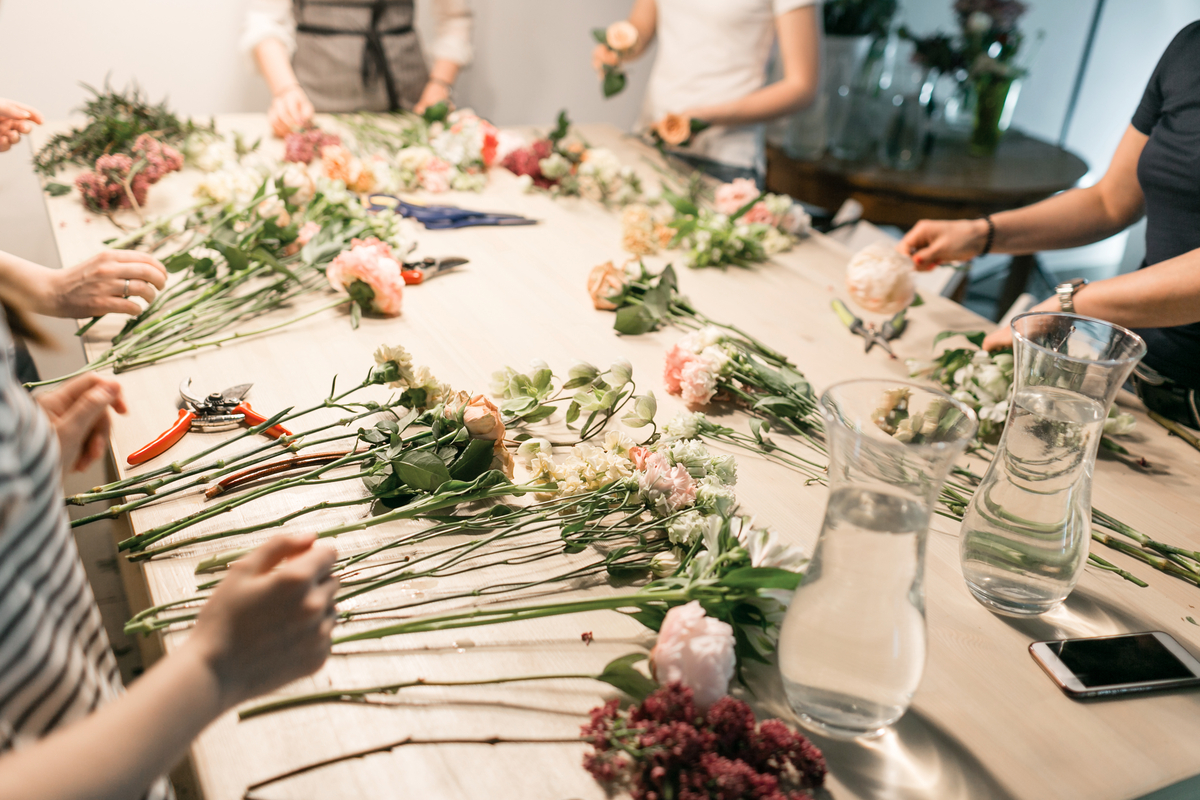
(78, 410)
(934, 242)
(1002, 337)
(265, 627)
(604, 56)
(16, 120)
(290, 110)
(103, 283)
(435, 92)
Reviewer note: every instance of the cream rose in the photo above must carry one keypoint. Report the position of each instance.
(881, 280)
(695, 650)
(621, 36)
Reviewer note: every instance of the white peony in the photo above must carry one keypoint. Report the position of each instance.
(881, 280)
(695, 650)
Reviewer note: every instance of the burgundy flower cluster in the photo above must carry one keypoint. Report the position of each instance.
(303, 146)
(104, 188)
(666, 748)
(524, 161)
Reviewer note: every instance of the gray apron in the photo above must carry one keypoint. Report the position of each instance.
(358, 55)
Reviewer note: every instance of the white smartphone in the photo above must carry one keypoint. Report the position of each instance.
(1112, 665)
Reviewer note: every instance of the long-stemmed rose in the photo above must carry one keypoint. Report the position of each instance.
(620, 38)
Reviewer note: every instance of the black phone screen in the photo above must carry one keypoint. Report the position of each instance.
(1121, 659)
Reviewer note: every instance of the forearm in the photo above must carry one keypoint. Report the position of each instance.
(644, 17)
(275, 64)
(445, 72)
(770, 102)
(33, 283)
(1159, 296)
(1074, 218)
(119, 750)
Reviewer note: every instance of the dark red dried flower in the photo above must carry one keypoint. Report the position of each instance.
(524, 161)
(303, 146)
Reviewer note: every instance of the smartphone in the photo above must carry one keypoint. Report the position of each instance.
(1110, 665)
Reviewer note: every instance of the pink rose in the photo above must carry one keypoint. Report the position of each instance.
(621, 36)
(695, 650)
(436, 175)
(370, 263)
(732, 196)
(758, 213)
(697, 382)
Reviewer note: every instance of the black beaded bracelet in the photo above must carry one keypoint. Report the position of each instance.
(991, 237)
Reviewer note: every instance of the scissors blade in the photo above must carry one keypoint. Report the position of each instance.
(235, 394)
(445, 264)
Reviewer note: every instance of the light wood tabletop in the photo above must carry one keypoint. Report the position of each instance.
(986, 722)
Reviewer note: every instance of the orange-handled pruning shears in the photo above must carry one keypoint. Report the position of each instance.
(218, 411)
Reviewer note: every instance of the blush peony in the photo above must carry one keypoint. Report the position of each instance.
(732, 196)
(695, 650)
(881, 280)
(370, 274)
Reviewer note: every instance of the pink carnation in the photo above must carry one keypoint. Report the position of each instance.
(732, 196)
(160, 159)
(307, 231)
(677, 358)
(370, 274)
(638, 455)
(697, 651)
(662, 484)
(436, 174)
(697, 382)
(759, 213)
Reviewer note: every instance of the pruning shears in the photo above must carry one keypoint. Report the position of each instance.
(444, 217)
(219, 411)
(887, 332)
(416, 272)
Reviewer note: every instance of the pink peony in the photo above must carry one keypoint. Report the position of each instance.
(307, 231)
(697, 382)
(881, 280)
(732, 196)
(759, 213)
(436, 175)
(370, 274)
(695, 650)
(663, 485)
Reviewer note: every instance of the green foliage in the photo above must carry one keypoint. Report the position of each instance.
(620, 674)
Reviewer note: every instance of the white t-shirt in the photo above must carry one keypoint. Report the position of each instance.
(713, 51)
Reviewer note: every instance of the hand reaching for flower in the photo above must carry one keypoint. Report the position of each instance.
(290, 110)
(934, 242)
(104, 283)
(265, 627)
(16, 120)
(435, 92)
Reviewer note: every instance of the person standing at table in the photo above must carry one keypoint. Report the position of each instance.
(1155, 172)
(353, 55)
(711, 66)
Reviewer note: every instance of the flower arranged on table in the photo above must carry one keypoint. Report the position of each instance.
(620, 37)
(881, 280)
(339, 164)
(369, 273)
(641, 233)
(530, 397)
(303, 147)
(668, 747)
(121, 181)
(695, 650)
(763, 225)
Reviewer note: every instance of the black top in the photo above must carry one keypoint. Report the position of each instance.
(1169, 173)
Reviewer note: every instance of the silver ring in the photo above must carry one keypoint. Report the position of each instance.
(126, 295)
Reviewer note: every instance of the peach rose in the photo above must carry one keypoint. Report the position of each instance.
(621, 36)
(881, 280)
(674, 129)
(604, 281)
(695, 650)
(480, 416)
(502, 458)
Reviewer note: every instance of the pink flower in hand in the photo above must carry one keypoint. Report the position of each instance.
(370, 274)
(732, 196)
(695, 650)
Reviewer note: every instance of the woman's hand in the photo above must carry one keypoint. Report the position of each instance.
(290, 110)
(103, 284)
(78, 410)
(604, 56)
(16, 120)
(934, 242)
(1002, 337)
(435, 92)
(266, 627)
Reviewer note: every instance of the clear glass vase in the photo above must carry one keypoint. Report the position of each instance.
(852, 645)
(1025, 534)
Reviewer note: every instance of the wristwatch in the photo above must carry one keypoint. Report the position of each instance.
(1066, 293)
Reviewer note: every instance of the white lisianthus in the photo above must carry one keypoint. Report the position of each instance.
(775, 242)
(618, 442)
(665, 564)
(685, 425)
(765, 548)
(686, 529)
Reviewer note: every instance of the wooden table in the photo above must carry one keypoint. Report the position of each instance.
(951, 184)
(986, 723)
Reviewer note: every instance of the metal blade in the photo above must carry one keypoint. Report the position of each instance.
(447, 263)
(235, 394)
(185, 392)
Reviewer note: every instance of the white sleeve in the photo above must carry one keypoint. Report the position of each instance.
(452, 31)
(781, 7)
(268, 19)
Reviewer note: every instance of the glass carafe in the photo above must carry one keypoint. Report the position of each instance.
(1025, 534)
(852, 645)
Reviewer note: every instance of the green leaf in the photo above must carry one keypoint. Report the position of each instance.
(651, 617)
(437, 112)
(614, 81)
(681, 204)
(562, 126)
(737, 214)
(518, 406)
(974, 337)
(57, 189)
(600, 35)
(237, 259)
(178, 262)
(475, 459)
(634, 321)
(355, 315)
(538, 414)
(541, 380)
(620, 674)
(572, 412)
(761, 578)
(422, 471)
(265, 257)
(917, 301)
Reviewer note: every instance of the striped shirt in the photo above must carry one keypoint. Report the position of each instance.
(56, 665)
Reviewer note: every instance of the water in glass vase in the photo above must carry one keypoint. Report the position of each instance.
(1025, 535)
(852, 648)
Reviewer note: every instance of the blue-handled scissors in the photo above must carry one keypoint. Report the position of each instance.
(442, 217)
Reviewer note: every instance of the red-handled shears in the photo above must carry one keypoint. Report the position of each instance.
(219, 411)
(415, 272)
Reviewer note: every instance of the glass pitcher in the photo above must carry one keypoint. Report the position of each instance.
(852, 645)
(1025, 534)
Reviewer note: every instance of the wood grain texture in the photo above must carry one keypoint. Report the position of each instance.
(986, 721)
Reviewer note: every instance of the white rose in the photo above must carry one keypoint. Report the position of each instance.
(621, 36)
(695, 650)
(881, 280)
